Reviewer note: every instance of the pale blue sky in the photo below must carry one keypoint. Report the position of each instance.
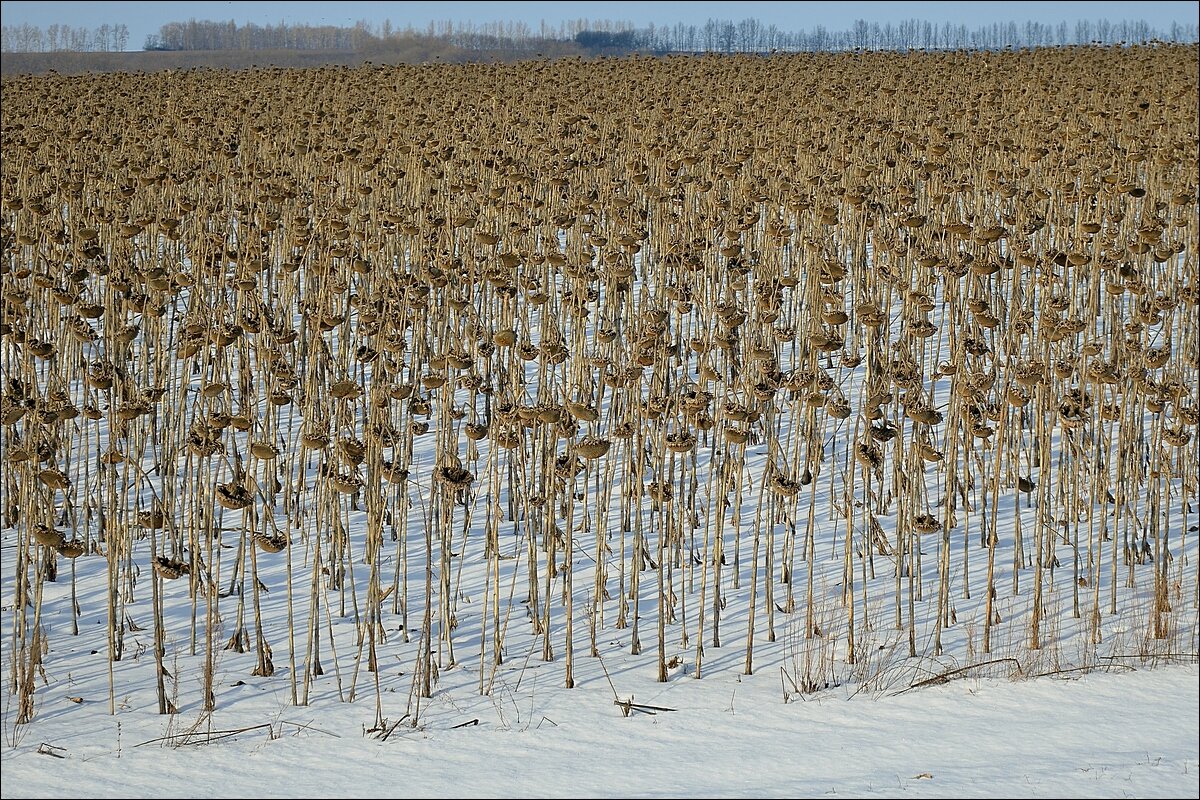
(144, 18)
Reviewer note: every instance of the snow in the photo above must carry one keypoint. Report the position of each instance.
(1115, 717)
(1095, 735)
(1111, 720)
(1103, 708)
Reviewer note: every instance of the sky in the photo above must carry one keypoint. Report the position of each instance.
(144, 18)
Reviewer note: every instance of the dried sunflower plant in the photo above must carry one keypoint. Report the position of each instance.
(859, 363)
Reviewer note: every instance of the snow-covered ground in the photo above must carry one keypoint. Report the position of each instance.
(1108, 720)
(1126, 734)
(1107, 706)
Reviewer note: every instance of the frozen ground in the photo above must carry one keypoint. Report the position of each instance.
(1133, 734)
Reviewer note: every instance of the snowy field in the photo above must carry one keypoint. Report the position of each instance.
(1075, 719)
(1121, 734)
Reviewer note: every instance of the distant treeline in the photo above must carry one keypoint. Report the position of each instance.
(723, 36)
(582, 37)
(63, 38)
